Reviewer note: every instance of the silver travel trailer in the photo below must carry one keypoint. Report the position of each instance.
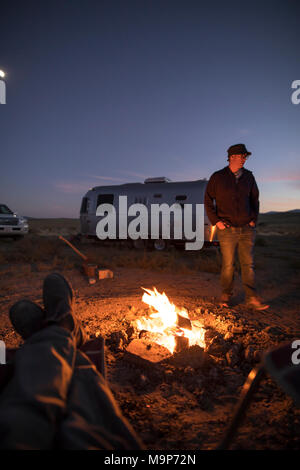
(153, 191)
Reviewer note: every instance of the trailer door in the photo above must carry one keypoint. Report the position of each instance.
(84, 217)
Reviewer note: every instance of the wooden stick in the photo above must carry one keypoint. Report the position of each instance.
(73, 248)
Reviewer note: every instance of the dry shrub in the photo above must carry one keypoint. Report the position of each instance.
(179, 262)
(49, 253)
(32, 249)
(207, 264)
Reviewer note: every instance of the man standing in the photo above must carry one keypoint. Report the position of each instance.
(232, 204)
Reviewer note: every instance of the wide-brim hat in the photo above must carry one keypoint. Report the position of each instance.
(238, 149)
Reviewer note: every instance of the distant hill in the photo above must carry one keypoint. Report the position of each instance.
(284, 223)
(293, 211)
(51, 218)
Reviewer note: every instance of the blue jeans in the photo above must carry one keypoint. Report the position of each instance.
(241, 238)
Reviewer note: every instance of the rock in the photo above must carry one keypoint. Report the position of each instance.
(169, 375)
(142, 351)
(228, 336)
(221, 361)
(194, 357)
(216, 346)
(189, 371)
(249, 353)
(257, 356)
(273, 331)
(233, 356)
(117, 339)
(237, 330)
(105, 273)
(209, 335)
(130, 332)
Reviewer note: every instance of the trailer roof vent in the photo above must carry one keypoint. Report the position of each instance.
(157, 179)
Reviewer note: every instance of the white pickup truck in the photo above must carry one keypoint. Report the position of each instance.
(12, 225)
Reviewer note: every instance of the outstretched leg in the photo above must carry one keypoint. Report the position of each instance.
(34, 401)
(93, 419)
(56, 397)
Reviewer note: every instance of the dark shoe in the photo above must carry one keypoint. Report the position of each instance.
(26, 317)
(58, 302)
(225, 300)
(256, 304)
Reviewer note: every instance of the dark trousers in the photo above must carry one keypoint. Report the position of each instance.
(239, 239)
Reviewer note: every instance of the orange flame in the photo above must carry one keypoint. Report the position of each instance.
(163, 321)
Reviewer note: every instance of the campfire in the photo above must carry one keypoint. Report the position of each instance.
(167, 325)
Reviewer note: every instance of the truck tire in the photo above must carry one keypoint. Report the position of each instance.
(160, 244)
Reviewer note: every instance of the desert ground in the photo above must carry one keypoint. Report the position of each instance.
(184, 403)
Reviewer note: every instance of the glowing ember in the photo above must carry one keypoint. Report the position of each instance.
(165, 320)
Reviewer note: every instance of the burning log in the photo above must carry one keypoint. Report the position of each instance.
(182, 343)
(172, 326)
(184, 322)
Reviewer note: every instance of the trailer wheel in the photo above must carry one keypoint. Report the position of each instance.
(160, 245)
(139, 244)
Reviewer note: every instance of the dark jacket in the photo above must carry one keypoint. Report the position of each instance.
(230, 200)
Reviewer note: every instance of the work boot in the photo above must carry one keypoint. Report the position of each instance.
(58, 303)
(26, 317)
(225, 300)
(256, 304)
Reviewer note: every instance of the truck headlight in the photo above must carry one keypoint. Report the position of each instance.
(23, 221)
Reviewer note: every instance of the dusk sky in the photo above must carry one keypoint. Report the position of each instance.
(109, 92)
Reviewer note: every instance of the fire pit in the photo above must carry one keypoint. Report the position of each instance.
(165, 331)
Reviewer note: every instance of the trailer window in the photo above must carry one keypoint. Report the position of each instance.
(157, 195)
(181, 197)
(105, 199)
(84, 205)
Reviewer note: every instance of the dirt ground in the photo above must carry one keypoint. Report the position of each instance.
(185, 404)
